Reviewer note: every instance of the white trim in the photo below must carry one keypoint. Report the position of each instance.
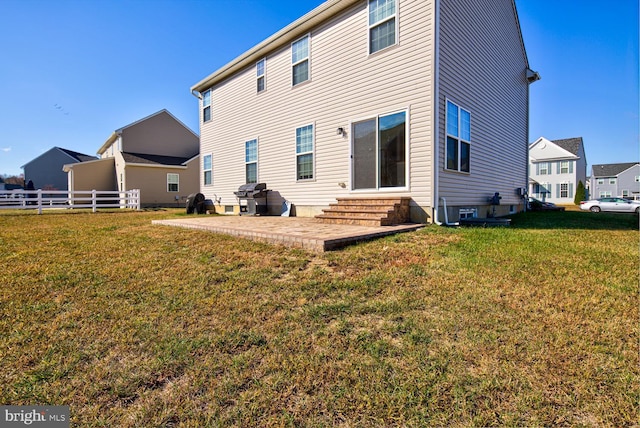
(407, 149)
(395, 16)
(178, 182)
(256, 161)
(203, 107)
(205, 170)
(307, 58)
(458, 138)
(312, 152)
(263, 75)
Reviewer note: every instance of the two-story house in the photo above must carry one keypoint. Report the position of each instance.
(426, 100)
(616, 179)
(45, 171)
(555, 169)
(157, 154)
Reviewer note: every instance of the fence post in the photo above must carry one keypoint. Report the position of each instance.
(93, 200)
(39, 201)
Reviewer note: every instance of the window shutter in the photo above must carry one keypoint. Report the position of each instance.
(571, 195)
(558, 167)
(570, 167)
(537, 169)
(557, 190)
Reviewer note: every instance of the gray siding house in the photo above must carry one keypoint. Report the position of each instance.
(422, 100)
(46, 172)
(616, 179)
(556, 167)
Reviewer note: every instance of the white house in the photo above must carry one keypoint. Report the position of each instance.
(556, 167)
(423, 100)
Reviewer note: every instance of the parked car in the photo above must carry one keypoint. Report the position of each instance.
(538, 205)
(611, 204)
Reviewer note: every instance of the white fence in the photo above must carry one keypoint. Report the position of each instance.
(44, 199)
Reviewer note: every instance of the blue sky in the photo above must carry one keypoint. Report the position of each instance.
(73, 71)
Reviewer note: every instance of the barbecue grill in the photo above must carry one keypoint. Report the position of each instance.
(252, 198)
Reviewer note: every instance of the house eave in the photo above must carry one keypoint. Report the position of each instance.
(297, 29)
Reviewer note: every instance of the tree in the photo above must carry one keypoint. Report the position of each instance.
(580, 193)
(13, 179)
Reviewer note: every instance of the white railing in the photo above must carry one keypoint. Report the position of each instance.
(45, 199)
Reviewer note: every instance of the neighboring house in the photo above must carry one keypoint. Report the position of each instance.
(45, 171)
(616, 179)
(426, 100)
(556, 167)
(157, 154)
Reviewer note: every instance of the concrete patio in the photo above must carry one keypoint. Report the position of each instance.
(299, 232)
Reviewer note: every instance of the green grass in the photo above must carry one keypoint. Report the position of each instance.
(133, 325)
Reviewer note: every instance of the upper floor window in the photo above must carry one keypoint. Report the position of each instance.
(251, 161)
(458, 138)
(173, 182)
(304, 152)
(382, 24)
(600, 181)
(260, 75)
(637, 178)
(206, 106)
(564, 167)
(207, 170)
(300, 60)
(544, 168)
(612, 180)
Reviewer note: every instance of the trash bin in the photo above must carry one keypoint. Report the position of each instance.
(196, 204)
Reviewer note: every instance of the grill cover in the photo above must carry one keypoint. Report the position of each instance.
(251, 190)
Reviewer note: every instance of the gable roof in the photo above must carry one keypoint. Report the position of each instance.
(611, 169)
(80, 157)
(76, 156)
(114, 135)
(569, 144)
(156, 160)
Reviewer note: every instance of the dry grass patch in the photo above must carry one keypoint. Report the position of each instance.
(138, 325)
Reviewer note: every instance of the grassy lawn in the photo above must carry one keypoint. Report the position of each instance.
(134, 325)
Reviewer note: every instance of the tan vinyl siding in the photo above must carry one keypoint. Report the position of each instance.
(346, 85)
(159, 134)
(482, 69)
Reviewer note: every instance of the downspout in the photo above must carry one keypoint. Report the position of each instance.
(436, 109)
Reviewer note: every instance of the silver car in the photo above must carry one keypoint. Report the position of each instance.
(611, 204)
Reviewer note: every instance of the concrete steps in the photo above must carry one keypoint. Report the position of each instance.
(378, 211)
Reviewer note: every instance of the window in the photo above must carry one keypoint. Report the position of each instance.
(605, 194)
(173, 181)
(379, 152)
(625, 193)
(544, 168)
(612, 180)
(300, 60)
(637, 178)
(382, 24)
(458, 138)
(564, 167)
(260, 74)
(304, 153)
(564, 190)
(206, 106)
(600, 181)
(207, 169)
(251, 161)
